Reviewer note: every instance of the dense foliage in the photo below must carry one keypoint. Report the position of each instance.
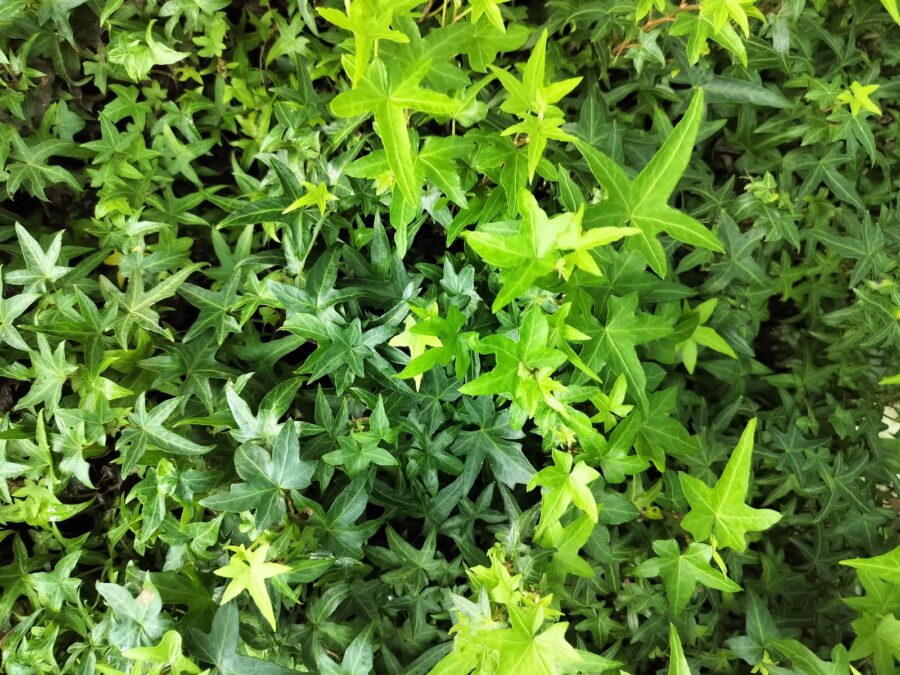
(466, 336)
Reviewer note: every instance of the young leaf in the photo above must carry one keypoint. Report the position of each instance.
(388, 94)
(564, 485)
(248, 570)
(885, 566)
(720, 511)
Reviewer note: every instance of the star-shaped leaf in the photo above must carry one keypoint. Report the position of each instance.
(146, 430)
(219, 647)
(531, 94)
(216, 309)
(416, 343)
(137, 305)
(493, 438)
(858, 97)
(524, 648)
(57, 587)
(362, 448)
(266, 479)
(563, 485)
(11, 309)
(681, 572)
(614, 343)
(643, 202)
(316, 195)
(490, 10)
(538, 247)
(523, 368)
(878, 638)
(248, 571)
(167, 655)
(369, 21)
(40, 265)
(29, 166)
(720, 511)
(52, 371)
(886, 567)
(388, 95)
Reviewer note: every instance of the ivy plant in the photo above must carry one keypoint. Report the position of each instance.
(449, 336)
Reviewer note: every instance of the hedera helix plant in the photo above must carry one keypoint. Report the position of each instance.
(461, 336)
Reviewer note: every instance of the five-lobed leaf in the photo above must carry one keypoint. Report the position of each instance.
(721, 511)
(248, 570)
(643, 202)
(681, 572)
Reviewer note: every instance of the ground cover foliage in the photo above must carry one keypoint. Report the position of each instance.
(463, 336)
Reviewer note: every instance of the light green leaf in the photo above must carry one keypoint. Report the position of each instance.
(720, 511)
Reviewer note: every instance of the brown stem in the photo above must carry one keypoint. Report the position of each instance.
(650, 24)
(426, 11)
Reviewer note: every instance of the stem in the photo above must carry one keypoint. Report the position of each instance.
(426, 11)
(650, 24)
(669, 18)
(460, 16)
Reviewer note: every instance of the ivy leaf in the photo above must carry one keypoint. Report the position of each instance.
(530, 94)
(138, 59)
(538, 247)
(538, 131)
(57, 587)
(614, 343)
(146, 431)
(878, 638)
(316, 195)
(167, 655)
(808, 663)
(448, 344)
(678, 665)
(720, 12)
(490, 10)
(29, 167)
(493, 438)
(564, 485)
(219, 647)
(358, 657)
(486, 41)
(886, 567)
(40, 265)
(137, 305)
(10, 310)
(266, 479)
(216, 309)
(52, 371)
(387, 96)
(568, 541)
(138, 621)
(361, 448)
(643, 202)
(681, 572)
(523, 648)
(338, 526)
(417, 344)
(369, 23)
(858, 97)
(524, 368)
(720, 511)
(248, 571)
